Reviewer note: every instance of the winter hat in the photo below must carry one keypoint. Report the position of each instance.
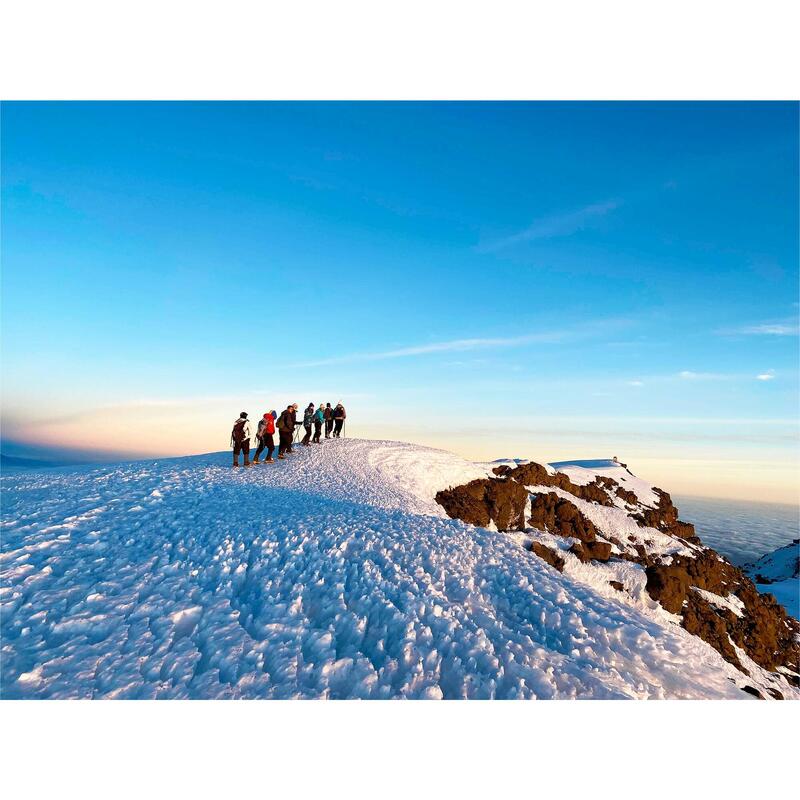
(243, 415)
(266, 415)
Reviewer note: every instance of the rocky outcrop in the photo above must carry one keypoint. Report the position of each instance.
(664, 518)
(533, 474)
(715, 600)
(486, 500)
(602, 490)
(758, 625)
(554, 514)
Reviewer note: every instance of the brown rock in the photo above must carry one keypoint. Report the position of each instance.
(664, 517)
(617, 585)
(702, 619)
(549, 555)
(554, 514)
(591, 551)
(669, 585)
(764, 630)
(486, 500)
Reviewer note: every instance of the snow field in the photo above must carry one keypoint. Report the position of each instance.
(333, 574)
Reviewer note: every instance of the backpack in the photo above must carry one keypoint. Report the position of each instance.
(270, 425)
(238, 430)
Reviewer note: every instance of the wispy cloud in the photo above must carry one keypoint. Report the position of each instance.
(477, 343)
(454, 346)
(783, 328)
(689, 375)
(554, 225)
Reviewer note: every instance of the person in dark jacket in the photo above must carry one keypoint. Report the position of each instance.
(319, 418)
(328, 420)
(285, 426)
(266, 428)
(293, 408)
(308, 419)
(339, 416)
(240, 439)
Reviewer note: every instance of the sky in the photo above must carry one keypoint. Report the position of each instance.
(533, 280)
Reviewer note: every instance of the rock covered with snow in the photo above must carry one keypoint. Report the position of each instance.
(333, 574)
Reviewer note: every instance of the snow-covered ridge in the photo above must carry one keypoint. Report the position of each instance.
(333, 574)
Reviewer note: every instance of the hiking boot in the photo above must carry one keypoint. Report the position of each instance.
(269, 460)
(247, 462)
(254, 461)
(281, 457)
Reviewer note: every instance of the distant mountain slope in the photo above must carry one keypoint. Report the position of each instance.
(16, 462)
(333, 574)
(778, 572)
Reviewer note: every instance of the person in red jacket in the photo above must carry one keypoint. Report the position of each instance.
(266, 429)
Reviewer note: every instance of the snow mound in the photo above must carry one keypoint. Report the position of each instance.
(333, 574)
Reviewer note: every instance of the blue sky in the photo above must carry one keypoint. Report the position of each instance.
(548, 280)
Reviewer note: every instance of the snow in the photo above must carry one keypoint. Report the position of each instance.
(332, 574)
(729, 603)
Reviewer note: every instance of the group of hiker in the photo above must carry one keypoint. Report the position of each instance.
(331, 419)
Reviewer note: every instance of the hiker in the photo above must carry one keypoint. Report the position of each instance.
(319, 418)
(240, 439)
(293, 410)
(339, 416)
(285, 426)
(328, 420)
(308, 418)
(266, 427)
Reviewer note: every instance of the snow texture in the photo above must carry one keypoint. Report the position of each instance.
(333, 574)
